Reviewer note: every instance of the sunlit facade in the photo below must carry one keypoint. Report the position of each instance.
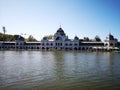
(60, 41)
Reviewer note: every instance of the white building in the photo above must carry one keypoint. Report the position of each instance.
(61, 41)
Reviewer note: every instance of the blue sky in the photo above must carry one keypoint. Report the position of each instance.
(84, 18)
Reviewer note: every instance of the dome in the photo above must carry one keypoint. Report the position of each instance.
(20, 38)
(110, 37)
(44, 38)
(76, 38)
(60, 31)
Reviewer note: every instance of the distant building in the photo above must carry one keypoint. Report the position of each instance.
(60, 41)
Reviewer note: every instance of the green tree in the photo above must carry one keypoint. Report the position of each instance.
(6, 37)
(86, 39)
(97, 38)
(31, 39)
(1, 37)
(48, 37)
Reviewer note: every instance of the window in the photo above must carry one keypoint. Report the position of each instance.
(66, 44)
(75, 44)
(51, 44)
(70, 44)
(47, 43)
(58, 38)
(111, 44)
(106, 44)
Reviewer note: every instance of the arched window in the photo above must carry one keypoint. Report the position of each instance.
(75, 44)
(66, 44)
(70, 48)
(70, 44)
(58, 38)
(83, 48)
(47, 48)
(75, 48)
(79, 48)
(66, 48)
(111, 44)
(38, 48)
(47, 43)
(106, 44)
(86, 48)
(51, 44)
(116, 45)
(43, 48)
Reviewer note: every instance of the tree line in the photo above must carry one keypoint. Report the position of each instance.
(96, 39)
(86, 39)
(9, 37)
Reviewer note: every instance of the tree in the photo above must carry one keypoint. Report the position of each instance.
(48, 37)
(10, 38)
(1, 37)
(97, 38)
(4, 31)
(86, 39)
(6, 37)
(16, 37)
(31, 39)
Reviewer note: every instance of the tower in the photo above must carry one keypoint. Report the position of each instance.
(60, 35)
(110, 41)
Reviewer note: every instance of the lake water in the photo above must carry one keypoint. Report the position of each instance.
(59, 70)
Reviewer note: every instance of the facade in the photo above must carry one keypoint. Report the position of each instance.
(61, 41)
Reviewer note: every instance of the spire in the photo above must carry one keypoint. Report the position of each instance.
(60, 25)
(109, 32)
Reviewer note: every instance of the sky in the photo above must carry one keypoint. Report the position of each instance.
(82, 18)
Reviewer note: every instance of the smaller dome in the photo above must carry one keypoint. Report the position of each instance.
(44, 38)
(20, 38)
(110, 37)
(76, 38)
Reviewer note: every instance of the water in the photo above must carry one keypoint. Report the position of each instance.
(59, 70)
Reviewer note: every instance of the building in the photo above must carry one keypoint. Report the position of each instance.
(60, 41)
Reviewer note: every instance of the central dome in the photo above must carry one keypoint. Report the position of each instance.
(60, 31)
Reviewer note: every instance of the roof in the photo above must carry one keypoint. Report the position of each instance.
(20, 38)
(60, 31)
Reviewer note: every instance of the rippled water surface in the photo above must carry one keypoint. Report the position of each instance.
(59, 70)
